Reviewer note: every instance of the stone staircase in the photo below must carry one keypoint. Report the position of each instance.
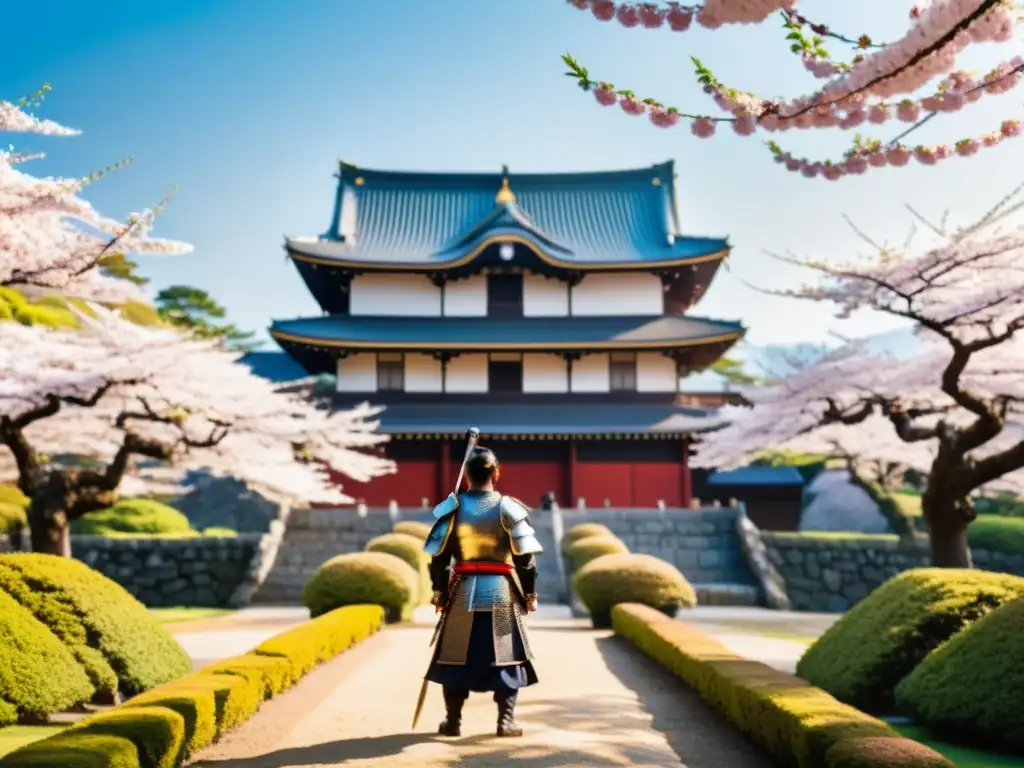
(316, 535)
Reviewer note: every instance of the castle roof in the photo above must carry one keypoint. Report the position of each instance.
(490, 333)
(435, 221)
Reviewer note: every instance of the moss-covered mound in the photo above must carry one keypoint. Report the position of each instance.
(410, 549)
(138, 516)
(861, 658)
(363, 578)
(110, 633)
(38, 674)
(412, 528)
(609, 580)
(584, 531)
(972, 687)
(584, 550)
(11, 494)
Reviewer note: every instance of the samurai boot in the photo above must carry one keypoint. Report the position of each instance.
(507, 725)
(454, 698)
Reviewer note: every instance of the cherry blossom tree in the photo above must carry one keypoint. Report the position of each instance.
(51, 240)
(952, 411)
(910, 80)
(111, 391)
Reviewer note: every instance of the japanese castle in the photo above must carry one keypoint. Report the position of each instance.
(548, 310)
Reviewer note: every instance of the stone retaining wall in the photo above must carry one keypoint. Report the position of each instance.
(172, 572)
(702, 543)
(827, 574)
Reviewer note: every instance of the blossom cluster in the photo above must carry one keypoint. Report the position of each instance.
(51, 239)
(877, 86)
(179, 392)
(964, 290)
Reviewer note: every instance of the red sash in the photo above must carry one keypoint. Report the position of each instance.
(497, 569)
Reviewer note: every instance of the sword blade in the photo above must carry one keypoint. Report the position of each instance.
(419, 703)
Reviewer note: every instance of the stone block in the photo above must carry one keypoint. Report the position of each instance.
(709, 558)
(831, 579)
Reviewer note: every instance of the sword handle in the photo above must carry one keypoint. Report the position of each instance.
(472, 438)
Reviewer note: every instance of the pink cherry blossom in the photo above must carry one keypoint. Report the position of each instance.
(1011, 128)
(703, 128)
(632, 106)
(663, 118)
(744, 126)
(651, 16)
(679, 19)
(877, 159)
(627, 15)
(603, 10)
(605, 96)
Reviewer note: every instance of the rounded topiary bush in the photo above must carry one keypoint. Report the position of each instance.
(140, 516)
(612, 579)
(363, 578)
(412, 528)
(38, 674)
(122, 647)
(13, 509)
(584, 531)
(972, 686)
(409, 549)
(584, 550)
(862, 657)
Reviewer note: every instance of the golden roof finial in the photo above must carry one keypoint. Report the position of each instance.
(505, 194)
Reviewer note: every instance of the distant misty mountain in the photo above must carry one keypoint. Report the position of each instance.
(779, 360)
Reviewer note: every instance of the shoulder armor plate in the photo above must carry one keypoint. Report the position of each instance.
(446, 507)
(515, 519)
(512, 512)
(438, 536)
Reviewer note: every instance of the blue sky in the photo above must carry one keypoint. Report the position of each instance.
(245, 106)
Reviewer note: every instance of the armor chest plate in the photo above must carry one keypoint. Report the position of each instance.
(479, 529)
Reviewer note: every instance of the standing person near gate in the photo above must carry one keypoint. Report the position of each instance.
(484, 577)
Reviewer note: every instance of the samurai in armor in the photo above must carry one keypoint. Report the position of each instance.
(484, 578)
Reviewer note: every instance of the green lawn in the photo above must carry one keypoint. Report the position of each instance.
(181, 614)
(15, 736)
(964, 757)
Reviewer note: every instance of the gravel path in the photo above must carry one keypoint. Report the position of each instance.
(599, 703)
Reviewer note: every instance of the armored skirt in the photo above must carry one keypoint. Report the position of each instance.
(483, 644)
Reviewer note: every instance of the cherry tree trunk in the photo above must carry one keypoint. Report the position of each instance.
(50, 534)
(947, 531)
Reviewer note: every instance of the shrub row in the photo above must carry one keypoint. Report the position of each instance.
(112, 642)
(164, 726)
(862, 657)
(795, 722)
(605, 574)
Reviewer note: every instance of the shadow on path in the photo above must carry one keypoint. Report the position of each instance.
(699, 735)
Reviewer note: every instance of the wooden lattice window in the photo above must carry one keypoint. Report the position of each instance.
(390, 372)
(622, 372)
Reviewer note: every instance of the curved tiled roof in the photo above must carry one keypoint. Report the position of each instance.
(513, 333)
(505, 419)
(574, 219)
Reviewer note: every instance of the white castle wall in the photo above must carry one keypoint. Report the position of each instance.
(590, 374)
(466, 298)
(394, 296)
(466, 373)
(545, 297)
(358, 373)
(422, 374)
(545, 373)
(655, 373)
(618, 294)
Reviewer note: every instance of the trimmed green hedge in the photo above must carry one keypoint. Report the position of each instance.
(797, 724)
(361, 578)
(862, 657)
(583, 531)
(412, 528)
(997, 533)
(122, 647)
(612, 579)
(13, 509)
(972, 687)
(410, 549)
(166, 725)
(590, 548)
(143, 516)
(38, 674)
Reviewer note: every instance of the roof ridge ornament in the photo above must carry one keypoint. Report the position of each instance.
(505, 194)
